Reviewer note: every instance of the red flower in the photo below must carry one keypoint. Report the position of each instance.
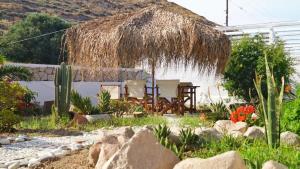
(241, 113)
(234, 116)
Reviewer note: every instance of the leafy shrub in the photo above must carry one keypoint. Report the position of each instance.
(82, 104)
(104, 101)
(188, 139)
(11, 94)
(247, 57)
(119, 107)
(219, 110)
(8, 119)
(45, 50)
(290, 120)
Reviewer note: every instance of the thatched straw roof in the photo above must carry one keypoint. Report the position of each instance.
(164, 32)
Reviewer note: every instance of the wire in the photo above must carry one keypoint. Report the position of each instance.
(244, 10)
(263, 11)
(26, 39)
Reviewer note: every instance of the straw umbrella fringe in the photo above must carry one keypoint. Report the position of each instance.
(160, 34)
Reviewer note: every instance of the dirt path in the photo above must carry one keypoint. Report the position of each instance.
(77, 160)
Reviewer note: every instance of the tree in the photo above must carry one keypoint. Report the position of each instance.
(247, 59)
(43, 49)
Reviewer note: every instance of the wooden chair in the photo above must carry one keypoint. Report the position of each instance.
(136, 92)
(187, 95)
(167, 96)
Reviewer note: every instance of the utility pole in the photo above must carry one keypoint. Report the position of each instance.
(226, 12)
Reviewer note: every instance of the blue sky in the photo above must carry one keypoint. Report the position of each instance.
(245, 11)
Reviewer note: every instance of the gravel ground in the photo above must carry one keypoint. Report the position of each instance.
(31, 149)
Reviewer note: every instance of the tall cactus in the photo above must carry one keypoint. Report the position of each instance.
(63, 82)
(271, 106)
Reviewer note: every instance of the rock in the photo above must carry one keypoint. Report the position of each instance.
(76, 147)
(94, 152)
(14, 165)
(62, 153)
(239, 126)
(273, 165)
(18, 139)
(4, 141)
(107, 150)
(33, 162)
(174, 135)
(97, 117)
(3, 165)
(126, 131)
(142, 151)
(254, 132)
(225, 126)
(78, 119)
(26, 138)
(290, 138)
(208, 133)
(235, 134)
(228, 160)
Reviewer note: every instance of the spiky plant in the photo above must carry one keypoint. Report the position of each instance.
(104, 101)
(271, 106)
(161, 132)
(188, 138)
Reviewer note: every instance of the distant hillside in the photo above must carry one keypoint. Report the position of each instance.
(12, 11)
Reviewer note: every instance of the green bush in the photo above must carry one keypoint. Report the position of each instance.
(219, 111)
(8, 119)
(82, 104)
(11, 95)
(247, 57)
(120, 107)
(290, 120)
(45, 49)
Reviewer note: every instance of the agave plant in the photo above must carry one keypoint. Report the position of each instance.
(162, 132)
(104, 101)
(271, 107)
(82, 104)
(219, 109)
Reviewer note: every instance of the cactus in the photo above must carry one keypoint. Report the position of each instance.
(104, 101)
(62, 83)
(271, 106)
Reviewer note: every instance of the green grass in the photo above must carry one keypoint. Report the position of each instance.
(255, 153)
(44, 123)
(118, 122)
(194, 121)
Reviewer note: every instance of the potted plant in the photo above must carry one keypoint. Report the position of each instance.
(83, 105)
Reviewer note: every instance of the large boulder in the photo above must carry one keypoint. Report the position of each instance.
(125, 131)
(228, 160)
(208, 133)
(273, 165)
(290, 138)
(142, 151)
(107, 150)
(255, 132)
(226, 126)
(94, 152)
(101, 151)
